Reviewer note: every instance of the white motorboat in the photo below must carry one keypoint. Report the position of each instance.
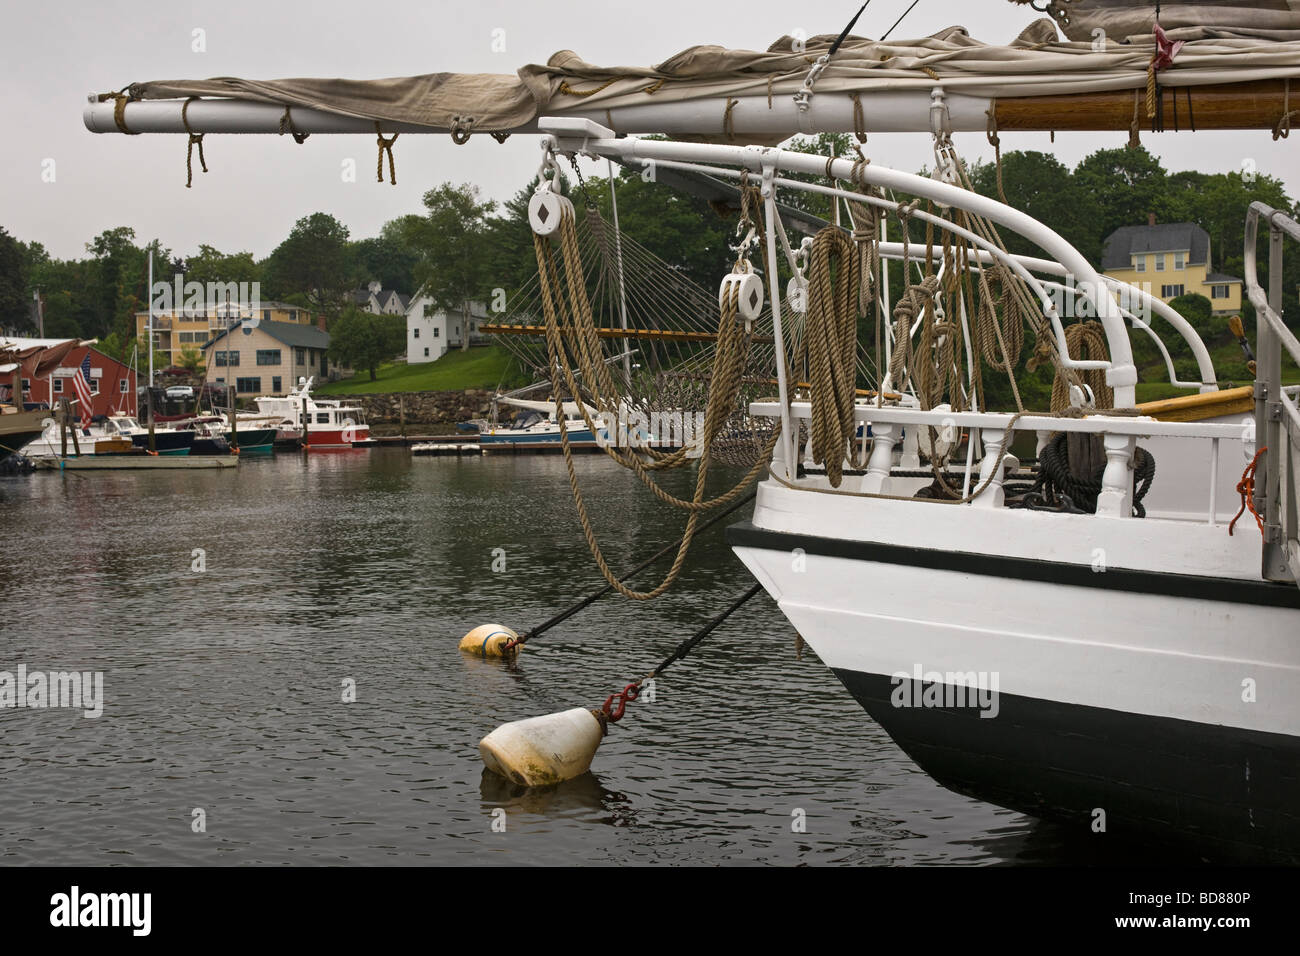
(317, 423)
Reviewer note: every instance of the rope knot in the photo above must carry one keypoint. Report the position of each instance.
(385, 146)
(195, 139)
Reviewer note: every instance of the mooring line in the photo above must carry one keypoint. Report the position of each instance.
(591, 598)
(614, 712)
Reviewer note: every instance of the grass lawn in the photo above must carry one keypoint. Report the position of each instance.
(481, 367)
(1155, 385)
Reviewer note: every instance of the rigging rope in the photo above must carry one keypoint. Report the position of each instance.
(570, 297)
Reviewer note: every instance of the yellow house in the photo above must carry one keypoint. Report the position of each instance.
(175, 331)
(1169, 260)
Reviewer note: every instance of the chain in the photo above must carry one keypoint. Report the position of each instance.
(582, 182)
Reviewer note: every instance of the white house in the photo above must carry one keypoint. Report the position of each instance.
(431, 331)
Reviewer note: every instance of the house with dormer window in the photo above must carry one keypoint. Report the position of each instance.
(377, 300)
(1169, 260)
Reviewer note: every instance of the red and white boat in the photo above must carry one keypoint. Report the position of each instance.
(328, 424)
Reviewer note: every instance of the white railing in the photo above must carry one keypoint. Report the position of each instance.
(1277, 417)
(1119, 434)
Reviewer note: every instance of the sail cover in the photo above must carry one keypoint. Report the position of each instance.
(1126, 20)
(1036, 63)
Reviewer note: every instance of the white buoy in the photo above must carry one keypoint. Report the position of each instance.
(490, 640)
(542, 751)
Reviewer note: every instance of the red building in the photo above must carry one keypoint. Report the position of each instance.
(45, 367)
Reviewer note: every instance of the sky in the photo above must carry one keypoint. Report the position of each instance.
(53, 54)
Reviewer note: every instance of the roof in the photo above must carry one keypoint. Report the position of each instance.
(291, 334)
(1220, 278)
(22, 342)
(234, 309)
(1128, 241)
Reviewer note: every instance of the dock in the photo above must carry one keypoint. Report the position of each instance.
(136, 462)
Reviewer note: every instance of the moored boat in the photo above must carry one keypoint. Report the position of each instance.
(327, 424)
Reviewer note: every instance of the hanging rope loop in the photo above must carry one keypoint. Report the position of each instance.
(385, 147)
(196, 139)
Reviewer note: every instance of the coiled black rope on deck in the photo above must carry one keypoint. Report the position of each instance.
(1055, 477)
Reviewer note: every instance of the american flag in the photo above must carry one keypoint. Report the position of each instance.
(81, 383)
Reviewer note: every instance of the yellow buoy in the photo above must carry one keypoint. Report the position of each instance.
(545, 750)
(489, 640)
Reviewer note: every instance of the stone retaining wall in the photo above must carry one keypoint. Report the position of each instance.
(423, 408)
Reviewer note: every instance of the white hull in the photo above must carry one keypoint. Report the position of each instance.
(1160, 627)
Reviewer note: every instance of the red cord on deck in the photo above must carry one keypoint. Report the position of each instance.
(1246, 488)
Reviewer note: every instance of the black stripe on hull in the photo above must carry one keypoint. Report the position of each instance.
(1266, 593)
(1228, 794)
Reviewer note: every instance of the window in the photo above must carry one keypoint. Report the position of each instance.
(94, 386)
(435, 332)
(1140, 263)
(417, 332)
(311, 357)
(27, 385)
(302, 356)
(266, 315)
(1160, 262)
(225, 358)
(293, 315)
(248, 384)
(322, 418)
(1171, 291)
(123, 385)
(426, 351)
(268, 356)
(58, 386)
(275, 384)
(1180, 260)
(1219, 292)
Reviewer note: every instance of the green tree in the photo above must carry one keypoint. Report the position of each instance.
(312, 263)
(191, 359)
(1042, 186)
(387, 258)
(453, 244)
(212, 265)
(14, 299)
(363, 340)
(1120, 187)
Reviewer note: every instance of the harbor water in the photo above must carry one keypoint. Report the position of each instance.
(235, 614)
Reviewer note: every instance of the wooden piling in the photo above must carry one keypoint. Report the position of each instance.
(234, 431)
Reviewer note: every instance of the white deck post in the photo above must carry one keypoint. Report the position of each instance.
(1116, 497)
(883, 436)
(993, 463)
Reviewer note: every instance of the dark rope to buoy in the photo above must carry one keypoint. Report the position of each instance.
(591, 598)
(612, 711)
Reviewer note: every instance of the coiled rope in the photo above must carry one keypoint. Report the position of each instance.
(831, 335)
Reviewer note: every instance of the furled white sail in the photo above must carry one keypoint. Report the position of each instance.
(710, 92)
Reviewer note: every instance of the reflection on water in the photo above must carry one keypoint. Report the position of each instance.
(224, 688)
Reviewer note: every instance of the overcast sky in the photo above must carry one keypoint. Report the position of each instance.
(52, 54)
